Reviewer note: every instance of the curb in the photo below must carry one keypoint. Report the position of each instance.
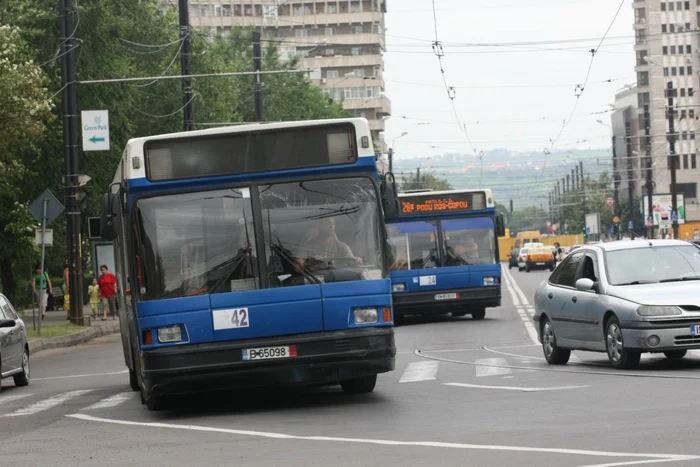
(76, 338)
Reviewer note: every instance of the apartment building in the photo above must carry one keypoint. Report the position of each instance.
(341, 40)
(630, 157)
(667, 46)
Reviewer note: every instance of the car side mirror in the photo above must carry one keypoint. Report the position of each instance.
(390, 201)
(586, 285)
(7, 323)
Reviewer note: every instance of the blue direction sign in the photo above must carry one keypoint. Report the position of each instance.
(630, 225)
(54, 208)
(674, 217)
(95, 126)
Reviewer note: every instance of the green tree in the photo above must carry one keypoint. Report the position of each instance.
(25, 108)
(427, 181)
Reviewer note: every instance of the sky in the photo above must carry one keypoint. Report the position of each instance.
(508, 96)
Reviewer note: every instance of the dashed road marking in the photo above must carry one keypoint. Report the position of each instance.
(420, 371)
(514, 388)
(8, 399)
(488, 367)
(49, 403)
(112, 401)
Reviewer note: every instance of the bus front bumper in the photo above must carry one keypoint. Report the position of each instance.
(440, 301)
(322, 358)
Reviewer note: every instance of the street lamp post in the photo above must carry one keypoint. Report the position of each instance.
(391, 151)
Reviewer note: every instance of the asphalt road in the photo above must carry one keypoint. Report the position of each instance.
(464, 393)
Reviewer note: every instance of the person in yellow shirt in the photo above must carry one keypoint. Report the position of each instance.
(94, 292)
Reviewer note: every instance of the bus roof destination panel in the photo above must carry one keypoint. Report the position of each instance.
(442, 204)
(250, 152)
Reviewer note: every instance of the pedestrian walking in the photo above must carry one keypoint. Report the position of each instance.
(41, 294)
(108, 291)
(94, 293)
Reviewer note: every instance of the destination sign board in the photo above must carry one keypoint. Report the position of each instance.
(442, 204)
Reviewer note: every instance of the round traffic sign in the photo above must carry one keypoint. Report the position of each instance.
(616, 219)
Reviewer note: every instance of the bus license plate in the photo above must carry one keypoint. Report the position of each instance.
(695, 329)
(446, 296)
(540, 264)
(266, 353)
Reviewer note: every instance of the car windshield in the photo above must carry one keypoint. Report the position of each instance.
(196, 243)
(653, 264)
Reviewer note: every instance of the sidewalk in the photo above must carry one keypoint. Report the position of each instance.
(96, 329)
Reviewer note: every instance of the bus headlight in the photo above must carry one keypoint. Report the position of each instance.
(169, 334)
(366, 316)
(371, 274)
(489, 280)
(398, 287)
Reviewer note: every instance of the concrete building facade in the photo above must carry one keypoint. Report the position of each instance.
(667, 46)
(343, 41)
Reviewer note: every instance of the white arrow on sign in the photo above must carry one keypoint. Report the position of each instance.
(95, 125)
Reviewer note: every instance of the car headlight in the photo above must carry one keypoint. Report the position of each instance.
(398, 287)
(170, 334)
(366, 316)
(658, 310)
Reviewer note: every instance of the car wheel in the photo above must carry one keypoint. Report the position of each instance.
(361, 385)
(510, 266)
(22, 379)
(527, 268)
(552, 353)
(618, 355)
(675, 354)
(479, 314)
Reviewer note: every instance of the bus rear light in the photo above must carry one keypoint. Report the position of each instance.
(387, 315)
(147, 338)
(170, 334)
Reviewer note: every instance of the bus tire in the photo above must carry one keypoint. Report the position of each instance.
(362, 385)
(133, 380)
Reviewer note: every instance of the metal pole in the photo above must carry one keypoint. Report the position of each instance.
(43, 258)
(391, 160)
(185, 58)
(673, 157)
(257, 67)
(650, 182)
(70, 135)
(630, 175)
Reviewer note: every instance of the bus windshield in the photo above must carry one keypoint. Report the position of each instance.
(467, 241)
(313, 232)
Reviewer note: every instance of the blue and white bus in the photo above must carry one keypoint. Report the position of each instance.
(444, 248)
(251, 256)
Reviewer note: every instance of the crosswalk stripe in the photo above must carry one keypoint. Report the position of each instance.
(112, 401)
(420, 371)
(8, 399)
(491, 367)
(48, 403)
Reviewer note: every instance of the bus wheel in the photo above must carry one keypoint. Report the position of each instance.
(361, 385)
(133, 380)
(479, 314)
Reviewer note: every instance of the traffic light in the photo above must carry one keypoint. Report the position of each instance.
(585, 233)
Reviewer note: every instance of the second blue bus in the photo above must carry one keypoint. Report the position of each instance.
(445, 256)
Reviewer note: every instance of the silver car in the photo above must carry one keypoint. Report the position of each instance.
(623, 298)
(14, 350)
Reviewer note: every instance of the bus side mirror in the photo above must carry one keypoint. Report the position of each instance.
(500, 226)
(109, 216)
(389, 198)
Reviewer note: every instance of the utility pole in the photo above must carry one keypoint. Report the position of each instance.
(673, 158)
(630, 174)
(574, 188)
(578, 179)
(391, 160)
(568, 187)
(616, 180)
(511, 205)
(418, 175)
(257, 67)
(185, 59)
(583, 190)
(650, 182)
(69, 103)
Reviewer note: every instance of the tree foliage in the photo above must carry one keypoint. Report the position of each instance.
(427, 181)
(115, 39)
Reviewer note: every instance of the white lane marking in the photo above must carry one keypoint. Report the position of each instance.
(420, 371)
(8, 399)
(386, 442)
(483, 370)
(527, 320)
(513, 388)
(518, 290)
(112, 401)
(511, 291)
(81, 376)
(48, 403)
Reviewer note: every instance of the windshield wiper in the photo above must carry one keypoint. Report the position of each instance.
(458, 257)
(290, 259)
(684, 278)
(643, 281)
(229, 266)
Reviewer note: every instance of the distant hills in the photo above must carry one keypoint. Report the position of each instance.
(525, 177)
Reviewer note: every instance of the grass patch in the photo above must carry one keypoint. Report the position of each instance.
(56, 330)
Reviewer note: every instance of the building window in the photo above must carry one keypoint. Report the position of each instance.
(688, 190)
(332, 74)
(376, 28)
(332, 9)
(693, 164)
(682, 92)
(690, 90)
(673, 49)
(671, 27)
(685, 161)
(358, 72)
(690, 71)
(663, 27)
(687, 5)
(691, 114)
(684, 134)
(640, 36)
(356, 7)
(663, 7)
(687, 26)
(679, 6)
(356, 51)
(643, 78)
(688, 49)
(330, 31)
(664, 50)
(671, 6)
(665, 71)
(301, 33)
(357, 30)
(681, 70)
(674, 71)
